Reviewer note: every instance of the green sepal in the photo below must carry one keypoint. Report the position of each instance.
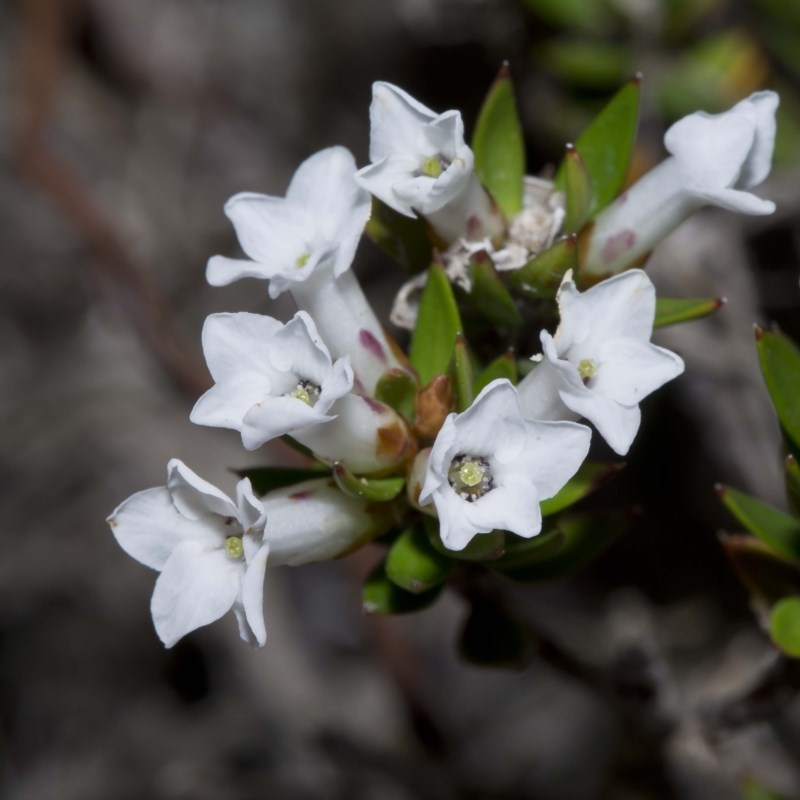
(492, 637)
(379, 490)
(672, 310)
(522, 552)
(606, 146)
(767, 577)
(578, 191)
(504, 366)
(462, 374)
(414, 564)
(542, 275)
(265, 479)
(586, 536)
(784, 625)
(792, 468)
(489, 295)
(398, 390)
(780, 363)
(777, 529)
(591, 475)
(499, 146)
(483, 547)
(405, 239)
(379, 595)
(438, 322)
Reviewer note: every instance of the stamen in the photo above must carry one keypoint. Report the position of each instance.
(587, 369)
(302, 260)
(306, 391)
(434, 166)
(234, 547)
(470, 476)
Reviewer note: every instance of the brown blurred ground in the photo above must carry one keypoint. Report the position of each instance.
(113, 180)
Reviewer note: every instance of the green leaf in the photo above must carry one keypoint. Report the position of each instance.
(398, 390)
(379, 595)
(767, 577)
(784, 626)
(593, 64)
(379, 490)
(780, 363)
(265, 479)
(414, 564)
(594, 16)
(521, 552)
(542, 275)
(586, 536)
(578, 189)
(591, 475)
(606, 146)
(463, 375)
(780, 531)
(438, 322)
(483, 547)
(793, 483)
(492, 637)
(670, 311)
(403, 238)
(504, 366)
(499, 146)
(489, 296)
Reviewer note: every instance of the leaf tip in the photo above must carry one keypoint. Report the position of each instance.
(637, 78)
(758, 331)
(504, 73)
(720, 302)
(720, 489)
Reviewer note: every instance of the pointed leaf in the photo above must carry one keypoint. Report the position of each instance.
(414, 564)
(464, 379)
(670, 311)
(606, 146)
(591, 475)
(380, 596)
(578, 190)
(784, 626)
(793, 483)
(521, 552)
(780, 363)
(406, 240)
(587, 535)
(542, 275)
(379, 490)
(492, 637)
(504, 366)
(398, 390)
(780, 531)
(489, 295)
(438, 322)
(265, 479)
(767, 577)
(499, 146)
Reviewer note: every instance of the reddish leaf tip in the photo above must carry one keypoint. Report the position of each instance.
(637, 78)
(759, 331)
(720, 489)
(721, 301)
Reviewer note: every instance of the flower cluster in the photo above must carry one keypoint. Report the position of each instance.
(447, 439)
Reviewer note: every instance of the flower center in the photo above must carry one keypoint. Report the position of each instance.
(302, 260)
(470, 477)
(434, 166)
(587, 369)
(306, 391)
(234, 547)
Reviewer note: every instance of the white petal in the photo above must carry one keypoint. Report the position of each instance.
(277, 416)
(148, 527)
(252, 514)
(196, 587)
(762, 107)
(629, 370)
(225, 404)
(236, 343)
(338, 384)
(616, 423)
(194, 497)
(396, 120)
(735, 200)
(222, 271)
(444, 136)
(512, 506)
(456, 527)
(539, 393)
(253, 598)
(299, 348)
(381, 178)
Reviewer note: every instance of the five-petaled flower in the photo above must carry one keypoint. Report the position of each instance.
(600, 364)
(210, 551)
(490, 467)
(422, 165)
(714, 159)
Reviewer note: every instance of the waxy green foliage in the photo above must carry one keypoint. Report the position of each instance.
(542, 275)
(670, 311)
(398, 390)
(489, 297)
(591, 475)
(499, 147)
(784, 625)
(578, 190)
(378, 490)
(504, 366)
(414, 564)
(380, 595)
(405, 239)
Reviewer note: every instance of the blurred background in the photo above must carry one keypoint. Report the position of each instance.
(124, 127)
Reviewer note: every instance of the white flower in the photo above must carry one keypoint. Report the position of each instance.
(317, 224)
(305, 243)
(271, 379)
(600, 364)
(421, 165)
(714, 158)
(313, 521)
(209, 550)
(490, 467)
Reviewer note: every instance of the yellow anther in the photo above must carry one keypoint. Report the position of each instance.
(234, 547)
(587, 368)
(302, 394)
(432, 167)
(470, 473)
(302, 260)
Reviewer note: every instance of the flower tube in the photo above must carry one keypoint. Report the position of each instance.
(714, 159)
